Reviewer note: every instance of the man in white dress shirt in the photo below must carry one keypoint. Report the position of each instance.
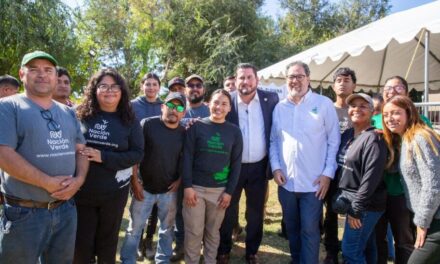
(303, 145)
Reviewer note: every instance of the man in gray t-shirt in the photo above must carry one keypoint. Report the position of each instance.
(41, 168)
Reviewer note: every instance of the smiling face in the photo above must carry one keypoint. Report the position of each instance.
(360, 112)
(219, 106)
(108, 94)
(395, 118)
(150, 88)
(297, 82)
(246, 82)
(195, 91)
(393, 87)
(39, 78)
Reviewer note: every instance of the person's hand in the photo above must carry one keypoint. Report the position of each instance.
(174, 186)
(224, 200)
(137, 189)
(92, 154)
(190, 197)
(324, 183)
(71, 186)
(54, 184)
(279, 177)
(421, 237)
(191, 121)
(354, 223)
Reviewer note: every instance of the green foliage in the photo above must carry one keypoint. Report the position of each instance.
(36, 25)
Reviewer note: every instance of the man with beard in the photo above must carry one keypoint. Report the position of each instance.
(303, 144)
(252, 112)
(160, 174)
(195, 93)
(344, 83)
(62, 91)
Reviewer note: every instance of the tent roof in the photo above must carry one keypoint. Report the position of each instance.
(376, 51)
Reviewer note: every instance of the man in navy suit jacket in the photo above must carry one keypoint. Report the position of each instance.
(252, 111)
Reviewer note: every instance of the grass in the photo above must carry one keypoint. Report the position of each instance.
(273, 249)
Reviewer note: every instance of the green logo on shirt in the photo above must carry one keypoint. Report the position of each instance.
(315, 110)
(222, 176)
(215, 145)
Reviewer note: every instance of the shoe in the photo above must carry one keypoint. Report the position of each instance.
(178, 254)
(149, 249)
(330, 259)
(223, 259)
(236, 232)
(252, 259)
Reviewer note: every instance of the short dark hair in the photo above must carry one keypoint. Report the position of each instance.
(8, 79)
(300, 63)
(345, 71)
(150, 75)
(63, 71)
(401, 79)
(247, 65)
(229, 77)
(223, 92)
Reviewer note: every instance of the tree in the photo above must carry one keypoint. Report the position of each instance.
(37, 25)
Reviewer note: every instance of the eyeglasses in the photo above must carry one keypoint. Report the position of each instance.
(109, 88)
(179, 108)
(195, 85)
(298, 77)
(52, 125)
(397, 88)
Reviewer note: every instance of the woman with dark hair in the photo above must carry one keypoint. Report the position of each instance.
(114, 144)
(415, 147)
(362, 195)
(211, 166)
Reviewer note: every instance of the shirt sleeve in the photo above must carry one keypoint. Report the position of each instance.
(333, 140)
(118, 160)
(188, 156)
(237, 150)
(428, 166)
(274, 144)
(8, 127)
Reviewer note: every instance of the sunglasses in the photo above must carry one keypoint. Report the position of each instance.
(179, 108)
(195, 85)
(51, 124)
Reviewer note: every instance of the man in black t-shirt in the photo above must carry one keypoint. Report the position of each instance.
(160, 176)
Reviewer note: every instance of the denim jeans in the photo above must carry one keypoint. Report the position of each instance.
(302, 213)
(139, 212)
(37, 235)
(356, 242)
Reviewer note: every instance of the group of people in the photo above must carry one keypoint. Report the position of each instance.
(66, 171)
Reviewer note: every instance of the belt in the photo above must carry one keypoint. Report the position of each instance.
(32, 204)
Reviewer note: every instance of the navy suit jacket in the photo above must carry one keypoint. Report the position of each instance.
(268, 100)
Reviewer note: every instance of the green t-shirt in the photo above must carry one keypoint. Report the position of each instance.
(393, 180)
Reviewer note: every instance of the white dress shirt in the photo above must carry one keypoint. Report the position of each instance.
(251, 121)
(304, 141)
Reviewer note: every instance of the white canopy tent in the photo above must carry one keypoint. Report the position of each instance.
(402, 43)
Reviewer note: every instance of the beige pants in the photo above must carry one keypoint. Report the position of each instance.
(203, 222)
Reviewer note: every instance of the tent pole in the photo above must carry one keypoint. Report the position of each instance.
(426, 93)
(384, 58)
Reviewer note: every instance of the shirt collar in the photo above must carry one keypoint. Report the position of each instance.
(256, 99)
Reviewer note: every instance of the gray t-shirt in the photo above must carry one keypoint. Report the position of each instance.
(30, 132)
(344, 119)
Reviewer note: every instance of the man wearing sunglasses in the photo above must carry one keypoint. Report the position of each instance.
(41, 169)
(160, 174)
(195, 93)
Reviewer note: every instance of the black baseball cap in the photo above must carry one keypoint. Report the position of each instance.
(176, 96)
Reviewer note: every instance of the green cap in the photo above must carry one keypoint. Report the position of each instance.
(38, 55)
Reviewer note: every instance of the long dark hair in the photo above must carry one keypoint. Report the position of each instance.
(90, 107)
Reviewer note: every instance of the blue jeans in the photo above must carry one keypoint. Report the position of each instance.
(139, 213)
(37, 235)
(302, 213)
(356, 242)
